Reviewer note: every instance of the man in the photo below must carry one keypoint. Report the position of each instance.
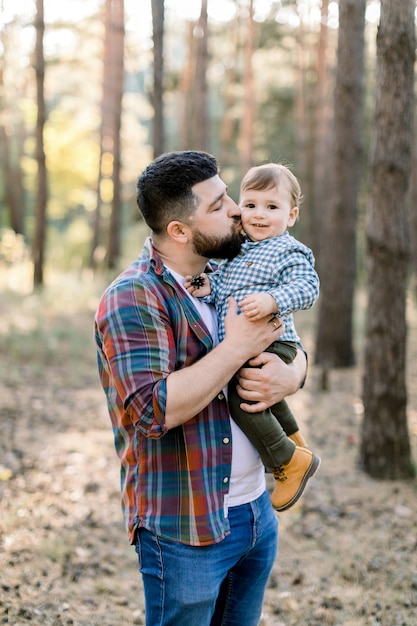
(193, 486)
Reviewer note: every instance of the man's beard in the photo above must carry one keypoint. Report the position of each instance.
(226, 247)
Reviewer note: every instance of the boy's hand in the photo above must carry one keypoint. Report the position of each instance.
(198, 285)
(258, 305)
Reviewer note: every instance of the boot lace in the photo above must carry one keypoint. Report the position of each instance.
(279, 473)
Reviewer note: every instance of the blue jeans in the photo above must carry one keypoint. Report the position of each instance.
(217, 585)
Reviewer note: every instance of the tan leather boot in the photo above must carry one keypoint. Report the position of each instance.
(291, 478)
(298, 439)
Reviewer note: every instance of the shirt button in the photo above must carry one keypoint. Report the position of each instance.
(226, 440)
(220, 396)
(226, 479)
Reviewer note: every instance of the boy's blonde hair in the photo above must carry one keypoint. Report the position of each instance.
(270, 175)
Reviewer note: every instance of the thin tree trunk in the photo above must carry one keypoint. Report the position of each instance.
(385, 444)
(117, 48)
(158, 74)
(322, 133)
(41, 197)
(227, 149)
(248, 119)
(301, 106)
(111, 107)
(201, 86)
(185, 109)
(334, 341)
(106, 143)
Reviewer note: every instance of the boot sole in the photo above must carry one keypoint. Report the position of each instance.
(314, 466)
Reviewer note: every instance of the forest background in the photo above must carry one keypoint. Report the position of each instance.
(91, 91)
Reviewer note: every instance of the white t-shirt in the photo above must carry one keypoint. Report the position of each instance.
(247, 480)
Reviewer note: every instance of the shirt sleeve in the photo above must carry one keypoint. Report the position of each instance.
(215, 279)
(298, 282)
(138, 346)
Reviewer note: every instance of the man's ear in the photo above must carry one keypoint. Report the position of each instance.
(178, 231)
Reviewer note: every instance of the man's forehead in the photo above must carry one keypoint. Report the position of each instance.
(210, 190)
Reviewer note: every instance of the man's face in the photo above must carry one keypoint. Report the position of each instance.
(216, 221)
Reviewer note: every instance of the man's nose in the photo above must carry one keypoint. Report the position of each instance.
(233, 209)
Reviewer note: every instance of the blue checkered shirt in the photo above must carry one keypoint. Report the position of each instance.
(281, 266)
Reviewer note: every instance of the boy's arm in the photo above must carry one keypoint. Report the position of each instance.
(298, 284)
(257, 305)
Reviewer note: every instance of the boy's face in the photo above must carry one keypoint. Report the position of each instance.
(267, 213)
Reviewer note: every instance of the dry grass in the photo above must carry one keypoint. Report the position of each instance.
(348, 550)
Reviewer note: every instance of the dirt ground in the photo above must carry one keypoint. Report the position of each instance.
(348, 550)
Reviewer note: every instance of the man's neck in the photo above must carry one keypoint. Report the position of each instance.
(180, 258)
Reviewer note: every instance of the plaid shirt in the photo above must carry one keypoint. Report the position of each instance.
(173, 482)
(281, 266)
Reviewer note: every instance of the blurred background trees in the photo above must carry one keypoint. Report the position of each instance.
(91, 91)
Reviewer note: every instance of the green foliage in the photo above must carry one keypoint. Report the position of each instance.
(73, 158)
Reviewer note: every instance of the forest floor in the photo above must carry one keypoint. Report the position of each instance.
(348, 549)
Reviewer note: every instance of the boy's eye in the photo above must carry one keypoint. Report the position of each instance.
(272, 206)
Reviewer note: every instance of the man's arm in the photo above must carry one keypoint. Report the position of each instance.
(189, 390)
(269, 380)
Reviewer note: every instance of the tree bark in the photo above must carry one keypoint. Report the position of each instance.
(319, 165)
(158, 75)
(248, 119)
(117, 47)
(385, 446)
(38, 250)
(334, 341)
(201, 86)
(110, 148)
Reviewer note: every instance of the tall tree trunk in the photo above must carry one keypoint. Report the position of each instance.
(38, 250)
(12, 171)
(158, 14)
(334, 341)
(106, 142)
(322, 133)
(228, 121)
(385, 445)
(117, 47)
(185, 108)
(201, 86)
(108, 180)
(248, 118)
(412, 206)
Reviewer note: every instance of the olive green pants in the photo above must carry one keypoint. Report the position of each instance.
(268, 430)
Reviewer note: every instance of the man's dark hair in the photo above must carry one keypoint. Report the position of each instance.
(164, 189)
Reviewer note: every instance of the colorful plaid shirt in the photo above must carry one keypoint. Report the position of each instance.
(173, 482)
(281, 266)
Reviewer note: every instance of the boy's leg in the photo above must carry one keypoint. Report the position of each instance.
(263, 430)
(291, 465)
(287, 351)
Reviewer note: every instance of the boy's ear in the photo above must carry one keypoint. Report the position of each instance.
(293, 216)
(178, 231)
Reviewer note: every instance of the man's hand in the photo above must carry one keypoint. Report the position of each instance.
(247, 337)
(269, 380)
